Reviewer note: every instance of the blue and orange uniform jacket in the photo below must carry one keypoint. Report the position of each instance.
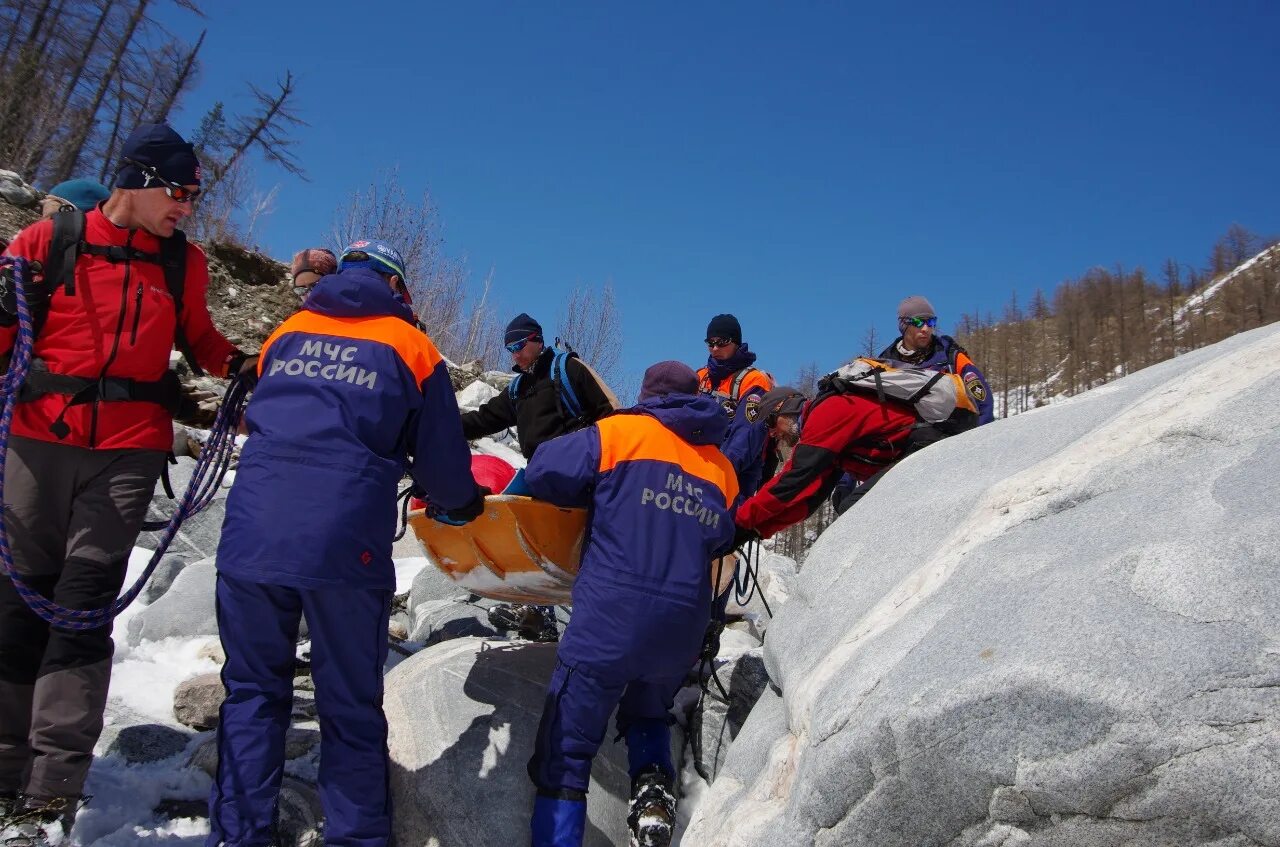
(661, 496)
(350, 394)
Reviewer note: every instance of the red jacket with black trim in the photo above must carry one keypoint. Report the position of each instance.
(119, 322)
(840, 433)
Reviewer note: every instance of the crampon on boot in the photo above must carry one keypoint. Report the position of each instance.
(40, 822)
(653, 808)
(533, 623)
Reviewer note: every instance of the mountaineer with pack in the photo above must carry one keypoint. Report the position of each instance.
(919, 346)
(116, 289)
(866, 417)
(553, 393)
(659, 496)
(349, 390)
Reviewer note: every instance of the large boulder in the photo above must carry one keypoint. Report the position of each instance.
(186, 610)
(463, 716)
(16, 192)
(1076, 643)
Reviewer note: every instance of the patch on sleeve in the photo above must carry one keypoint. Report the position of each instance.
(751, 408)
(976, 389)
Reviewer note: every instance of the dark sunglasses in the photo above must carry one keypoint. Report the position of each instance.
(713, 343)
(179, 193)
(517, 346)
(920, 323)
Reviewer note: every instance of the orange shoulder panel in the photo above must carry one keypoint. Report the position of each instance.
(756, 379)
(410, 343)
(630, 438)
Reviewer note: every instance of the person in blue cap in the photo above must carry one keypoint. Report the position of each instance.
(351, 395)
(82, 194)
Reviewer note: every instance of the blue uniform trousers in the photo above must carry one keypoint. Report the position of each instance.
(258, 624)
(621, 649)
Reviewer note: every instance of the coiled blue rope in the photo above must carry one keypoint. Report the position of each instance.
(210, 469)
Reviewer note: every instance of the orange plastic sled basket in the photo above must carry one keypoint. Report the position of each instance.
(520, 550)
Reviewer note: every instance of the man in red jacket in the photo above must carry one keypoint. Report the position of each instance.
(833, 434)
(90, 434)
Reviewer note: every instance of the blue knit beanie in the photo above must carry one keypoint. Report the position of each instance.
(84, 194)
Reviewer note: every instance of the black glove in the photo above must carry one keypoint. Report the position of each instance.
(743, 536)
(466, 514)
(245, 366)
(36, 294)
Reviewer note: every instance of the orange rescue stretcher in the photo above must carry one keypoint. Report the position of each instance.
(520, 550)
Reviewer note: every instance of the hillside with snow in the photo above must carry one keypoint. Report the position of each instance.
(1062, 629)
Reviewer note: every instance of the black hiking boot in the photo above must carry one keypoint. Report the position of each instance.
(532, 623)
(40, 822)
(8, 802)
(653, 808)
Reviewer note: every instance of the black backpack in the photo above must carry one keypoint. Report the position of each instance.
(68, 244)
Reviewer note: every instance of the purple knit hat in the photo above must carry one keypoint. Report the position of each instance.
(669, 377)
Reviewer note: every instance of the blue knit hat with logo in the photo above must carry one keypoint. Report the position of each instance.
(378, 256)
(156, 149)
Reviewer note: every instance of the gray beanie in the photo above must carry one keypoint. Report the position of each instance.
(916, 306)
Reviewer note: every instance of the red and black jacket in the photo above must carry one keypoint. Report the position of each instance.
(119, 322)
(840, 433)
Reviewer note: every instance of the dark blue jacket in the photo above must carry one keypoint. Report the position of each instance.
(349, 391)
(659, 490)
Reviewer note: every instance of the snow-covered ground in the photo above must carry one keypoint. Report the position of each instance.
(143, 682)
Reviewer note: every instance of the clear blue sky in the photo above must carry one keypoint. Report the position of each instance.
(802, 165)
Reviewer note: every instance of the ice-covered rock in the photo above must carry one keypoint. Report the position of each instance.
(186, 610)
(15, 191)
(718, 721)
(475, 395)
(196, 540)
(1076, 643)
(462, 716)
(452, 617)
(498, 379)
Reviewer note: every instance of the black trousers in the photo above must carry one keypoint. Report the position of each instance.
(72, 516)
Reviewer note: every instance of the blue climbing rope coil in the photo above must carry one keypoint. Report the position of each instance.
(210, 469)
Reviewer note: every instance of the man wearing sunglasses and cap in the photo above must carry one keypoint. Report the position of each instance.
(90, 434)
(920, 346)
(535, 408)
(534, 404)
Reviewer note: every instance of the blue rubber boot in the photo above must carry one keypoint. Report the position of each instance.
(558, 823)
